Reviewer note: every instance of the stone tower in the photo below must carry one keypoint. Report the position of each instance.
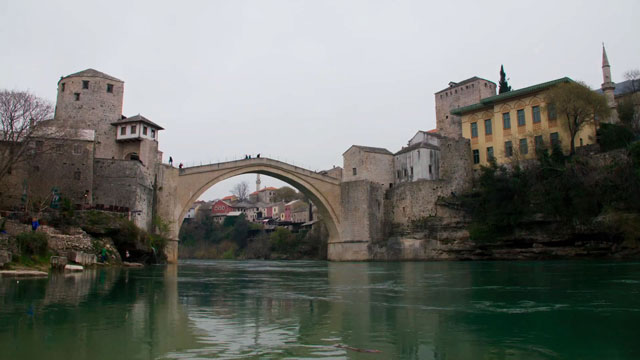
(608, 87)
(464, 93)
(91, 100)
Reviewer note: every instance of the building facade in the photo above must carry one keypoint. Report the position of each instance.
(512, 126)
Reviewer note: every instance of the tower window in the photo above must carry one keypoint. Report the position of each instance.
(355, 172)
(144, 130)
(133, 129)
(153, 133)
(77, 96)
(85, 84)
(62, 87)
(109, 88)
(123, 130)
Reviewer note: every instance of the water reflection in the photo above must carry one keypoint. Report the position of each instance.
(259, 309)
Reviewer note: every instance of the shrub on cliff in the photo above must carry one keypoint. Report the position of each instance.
(32, 243)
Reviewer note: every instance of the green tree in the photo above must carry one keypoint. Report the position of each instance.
(287, 194)
(578, 105)
(503, 84)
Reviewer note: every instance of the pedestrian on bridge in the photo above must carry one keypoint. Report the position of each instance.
(170, 161)
(180, 166)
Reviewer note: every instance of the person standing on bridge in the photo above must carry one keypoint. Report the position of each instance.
(180, 166)
(170, 161)
(258, 156)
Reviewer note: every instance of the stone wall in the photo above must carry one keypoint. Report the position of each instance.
(124, 183)
(363, 211)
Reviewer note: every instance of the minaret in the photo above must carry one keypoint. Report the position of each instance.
(608, 86)
(257, 182)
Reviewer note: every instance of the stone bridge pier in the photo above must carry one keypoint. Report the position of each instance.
(178, 189)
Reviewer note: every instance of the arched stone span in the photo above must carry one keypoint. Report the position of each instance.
(181, 187)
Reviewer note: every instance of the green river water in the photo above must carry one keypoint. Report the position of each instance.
(303, 309)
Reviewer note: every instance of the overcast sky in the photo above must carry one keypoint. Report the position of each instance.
(303, 80)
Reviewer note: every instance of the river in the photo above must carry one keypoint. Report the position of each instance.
(322, 310)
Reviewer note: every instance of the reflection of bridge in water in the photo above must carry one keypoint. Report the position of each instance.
(179, 188)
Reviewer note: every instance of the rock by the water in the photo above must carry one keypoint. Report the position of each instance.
(82, 258)
(69, 267)
(132, 264)
(58, 262)
(22, 273)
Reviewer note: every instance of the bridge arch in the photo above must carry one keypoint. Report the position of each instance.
(191, 183)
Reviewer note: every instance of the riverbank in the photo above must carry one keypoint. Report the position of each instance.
(88, 239)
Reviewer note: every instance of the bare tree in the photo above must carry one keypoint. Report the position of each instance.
(634, 76)
(241, 191)
(20, 115)
(578, 105)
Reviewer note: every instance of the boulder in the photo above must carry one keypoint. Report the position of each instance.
(5, 257)
(132, 264)
(73, 268)
(58, 262)
(81, 258)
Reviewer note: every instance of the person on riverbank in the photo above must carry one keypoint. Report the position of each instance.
(34, 224)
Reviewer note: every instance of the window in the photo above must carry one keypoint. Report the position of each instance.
(153, 133)
(77, 96)
(551, 112)
(555, 139)
(404, 171)
(412, 171)
(62, 87)
(144, 130)
(36, 168)
(524, 148)
(133, 129)
(539, 142)
(490, 153)
(476, 156)
(521, 121)
(398, 174)
(535, 111)
(474, 130)
(85, 84)
(109, 88)
(429, 169)
(487, 127)
(355, 172)
(123, 130)
(506, 121)
(508, 149)
(59, 148)
(77, 175)
(77, 149)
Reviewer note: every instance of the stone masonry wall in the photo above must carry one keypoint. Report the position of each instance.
(363, 211)
(124, 183)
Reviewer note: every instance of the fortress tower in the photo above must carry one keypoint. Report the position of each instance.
(91, 100)
(464, 93)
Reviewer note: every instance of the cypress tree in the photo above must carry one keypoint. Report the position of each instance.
(504, 85)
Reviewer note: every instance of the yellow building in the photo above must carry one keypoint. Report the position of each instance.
(511, 126)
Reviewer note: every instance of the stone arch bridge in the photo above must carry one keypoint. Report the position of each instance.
(178, 189)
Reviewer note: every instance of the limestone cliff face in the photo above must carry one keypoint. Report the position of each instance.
(447, 238)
